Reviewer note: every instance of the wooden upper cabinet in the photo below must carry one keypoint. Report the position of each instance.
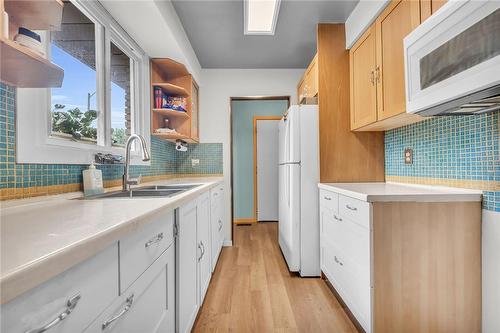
(362, 80)
(429, 7)
(378, 56)
(308, 85)
(392, 26)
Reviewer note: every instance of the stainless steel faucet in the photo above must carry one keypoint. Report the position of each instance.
(145, 157)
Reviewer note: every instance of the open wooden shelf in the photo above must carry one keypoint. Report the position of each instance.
(173, 137)
(172, 89)
(35, 14)
(24, 68)
(172, 113)
(170, 69)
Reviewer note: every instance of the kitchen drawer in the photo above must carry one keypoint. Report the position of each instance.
(139, 250)
(351, 281)
(95, 281)
(329, 200)
(348, 236)
(355, 210)
(147, 306)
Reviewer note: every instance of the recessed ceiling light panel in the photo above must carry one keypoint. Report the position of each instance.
(261, 16)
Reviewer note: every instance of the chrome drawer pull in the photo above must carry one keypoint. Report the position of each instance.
(70, 306)
(327, 198)
(220, 225)
(127, 307)
(338, 261)
(201, 252)
(337, 218)
(351, 208)
(154, 240)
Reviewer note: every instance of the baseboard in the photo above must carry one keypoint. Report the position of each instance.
(245, 221)
(227, 243)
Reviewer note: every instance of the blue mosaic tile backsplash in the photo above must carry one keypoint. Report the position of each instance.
(164, 158)
(461, 149)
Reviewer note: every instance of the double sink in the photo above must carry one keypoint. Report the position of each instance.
(163, 191)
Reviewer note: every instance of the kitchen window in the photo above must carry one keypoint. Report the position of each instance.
(103, 98)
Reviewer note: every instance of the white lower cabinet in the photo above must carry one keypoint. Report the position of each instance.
(345, 239)
(187, 266)
(216, 222)
(79, 295)
(148, 305)
(203, 234)
(152, 280)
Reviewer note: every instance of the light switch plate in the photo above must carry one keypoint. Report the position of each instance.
(195, 162)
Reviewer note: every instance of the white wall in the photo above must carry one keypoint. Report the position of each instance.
(491, 271)
(363, 15)
(218, 85)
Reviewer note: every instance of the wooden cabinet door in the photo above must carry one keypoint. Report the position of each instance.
(362, 70)
(203, 235)
(301, 90)
(392, 26)
(187, 263)
(311, 78)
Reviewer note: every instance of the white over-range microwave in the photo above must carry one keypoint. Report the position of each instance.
(452, 60)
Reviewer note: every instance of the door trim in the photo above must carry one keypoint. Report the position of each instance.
(255, 119)
(247, 98)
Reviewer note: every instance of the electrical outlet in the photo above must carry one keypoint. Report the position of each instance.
(195, 162)
(408, 156)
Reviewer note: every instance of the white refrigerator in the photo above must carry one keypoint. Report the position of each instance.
(298, 189)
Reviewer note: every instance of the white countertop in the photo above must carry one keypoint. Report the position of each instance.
(379, 192)
(42, 237)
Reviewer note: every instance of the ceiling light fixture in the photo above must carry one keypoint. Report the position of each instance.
(261, 16)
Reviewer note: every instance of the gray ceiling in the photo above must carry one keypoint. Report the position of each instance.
(215, 30)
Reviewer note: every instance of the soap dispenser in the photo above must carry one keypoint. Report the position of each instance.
(92, 181)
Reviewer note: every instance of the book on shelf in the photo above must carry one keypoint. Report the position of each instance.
(165, 101)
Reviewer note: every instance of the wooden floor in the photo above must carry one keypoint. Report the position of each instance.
(253, 291)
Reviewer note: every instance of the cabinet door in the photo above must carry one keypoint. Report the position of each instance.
(392, 26)
(187, 264)
(148, 305)
(429, 7)
(221, 217)
(312, 77)
(203, 234)
(216, 226)
(363, 91)
(301, 90)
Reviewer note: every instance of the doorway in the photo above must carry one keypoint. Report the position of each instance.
(266, 145)
(243, 148)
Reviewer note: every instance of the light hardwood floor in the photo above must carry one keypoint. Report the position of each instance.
(253, 291)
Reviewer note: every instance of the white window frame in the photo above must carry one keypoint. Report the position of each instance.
(34, 141)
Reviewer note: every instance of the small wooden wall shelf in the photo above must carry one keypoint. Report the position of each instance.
(24, 68)
(174, 80)
(172, 113)
(35, 14)
(172, 89)
(20, 66)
